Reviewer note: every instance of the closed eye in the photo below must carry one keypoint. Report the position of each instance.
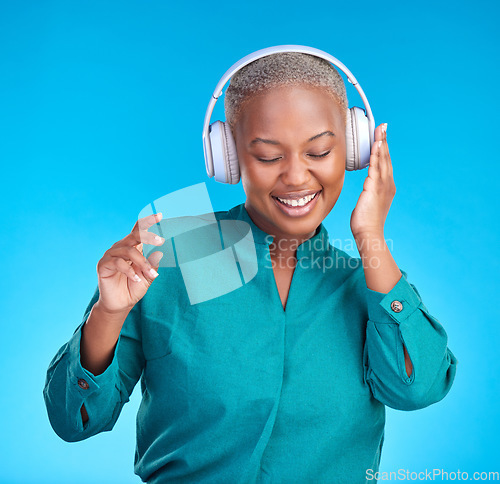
(320, 156)
(269, 161)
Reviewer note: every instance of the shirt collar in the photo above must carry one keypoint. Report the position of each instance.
(314, 246)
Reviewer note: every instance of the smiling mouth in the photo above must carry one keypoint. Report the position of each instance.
(297, 202)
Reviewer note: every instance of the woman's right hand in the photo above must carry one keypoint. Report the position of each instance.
(123, 264)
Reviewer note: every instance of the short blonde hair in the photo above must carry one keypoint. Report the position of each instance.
(281, 69)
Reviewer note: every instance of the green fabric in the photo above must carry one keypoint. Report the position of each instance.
(237, 390)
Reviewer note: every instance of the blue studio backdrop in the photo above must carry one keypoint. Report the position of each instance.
(101, 112)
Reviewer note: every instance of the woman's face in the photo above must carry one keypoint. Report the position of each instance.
(291, 148)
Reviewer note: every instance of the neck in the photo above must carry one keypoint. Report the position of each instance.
(287, 244)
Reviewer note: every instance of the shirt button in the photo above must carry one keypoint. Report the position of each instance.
(83, 384)
(396, 306)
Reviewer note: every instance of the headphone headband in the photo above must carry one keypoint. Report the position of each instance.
(207, 147)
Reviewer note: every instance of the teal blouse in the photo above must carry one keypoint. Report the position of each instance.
(235, 389)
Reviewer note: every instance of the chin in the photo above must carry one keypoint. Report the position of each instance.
(297, 224)
(300, 229)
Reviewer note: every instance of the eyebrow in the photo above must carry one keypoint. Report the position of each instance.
(274, 142)
(329, 133)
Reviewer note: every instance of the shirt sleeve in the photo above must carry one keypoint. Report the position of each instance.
(396, 318)
(68, 385)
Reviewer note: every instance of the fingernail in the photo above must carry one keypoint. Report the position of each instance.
(153, 273)
(384, 128)
(137, 278)
(158, 239)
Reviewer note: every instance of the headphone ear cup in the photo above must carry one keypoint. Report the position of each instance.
(357, 136)
(233, 166)
(350, 142)
(225, 159)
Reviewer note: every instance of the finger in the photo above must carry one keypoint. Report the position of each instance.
(383, 161)
(374, 165)
(145, 272)
(384, 158)
(140, 227)
(379, 132)
(374, 169)
(108, 266)
(133, 256)
(129, 270)
(137, 237)
(387, 157)
(154, 259)
(146, 222)
(380, 135)
(140, 230)
(383, 128)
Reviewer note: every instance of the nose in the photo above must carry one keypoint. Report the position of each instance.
(295, 171)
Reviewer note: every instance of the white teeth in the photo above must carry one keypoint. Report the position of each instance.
(297, 203)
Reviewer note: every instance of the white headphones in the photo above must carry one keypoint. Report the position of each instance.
(219, 147)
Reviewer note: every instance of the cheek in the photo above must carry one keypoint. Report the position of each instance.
(245, 175)
(332, 174)
(255, 177)
(338, 166)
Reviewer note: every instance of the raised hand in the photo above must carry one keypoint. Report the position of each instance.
(368, 217)
(124, 274)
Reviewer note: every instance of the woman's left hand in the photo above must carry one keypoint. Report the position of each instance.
(368, 217)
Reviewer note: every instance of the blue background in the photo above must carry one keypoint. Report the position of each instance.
(101, 112)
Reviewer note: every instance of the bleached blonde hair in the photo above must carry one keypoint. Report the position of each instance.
(281, 69)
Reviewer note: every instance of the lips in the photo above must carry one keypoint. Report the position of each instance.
(297, 203)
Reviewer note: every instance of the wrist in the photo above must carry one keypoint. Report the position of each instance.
(109, 316)
(371, 244)
(369, 234)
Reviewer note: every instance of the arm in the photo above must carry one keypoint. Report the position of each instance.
(407, 362)
(381, 271)
(99, 336)
(73, 392)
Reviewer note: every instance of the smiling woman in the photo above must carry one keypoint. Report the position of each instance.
(286, 378)
(291, 145)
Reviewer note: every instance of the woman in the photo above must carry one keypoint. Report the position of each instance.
(285, 379)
